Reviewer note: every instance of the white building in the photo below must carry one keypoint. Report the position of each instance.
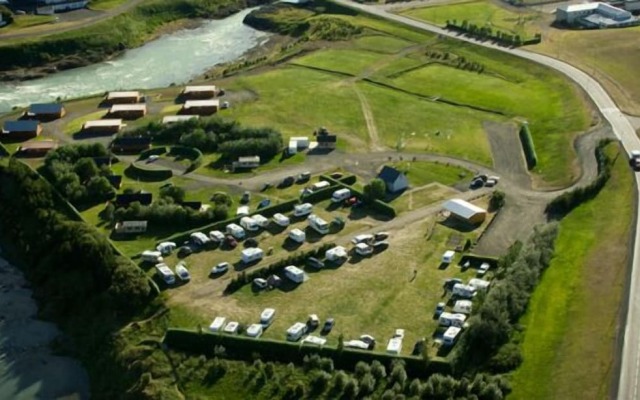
(465, 211)
(594, 15)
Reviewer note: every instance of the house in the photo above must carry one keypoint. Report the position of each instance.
(327, 141)
(115, 180)
(171, 119)
(37, 148)
(128, 111)
(465, 211)
(394, 180)
(21, 130)
(199, 92)
(102, 127)
(131, 227)
(200, 107)
(124, 200)
(246, 162)
(131, 144)
(123, 97)
(46, 111)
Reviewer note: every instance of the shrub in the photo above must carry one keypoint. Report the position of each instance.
(528, 147)
(497, 200)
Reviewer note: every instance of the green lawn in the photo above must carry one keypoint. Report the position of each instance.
(104, 5)
(421, 173)
(381, 44)
(25, 21)
(482, 13)
(275, 163)
(352, 62)
(571, 322)
(75, 126)
(422, 197)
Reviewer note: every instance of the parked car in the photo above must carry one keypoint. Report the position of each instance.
(260, 283)
(380, 246)
(338, 223)
(314, 263)
(351, 201)
(185, 251)
(370, 340)
(451, 282)
(482, 177)
(225, 105)
(418, 348)
(364, 238)
(476, 184)
(231, 241)
(313, 321)
(484, 267)
(328, 326)
(439, 309)
(183, 272)
(490, 183)
(266, 186)
(152, 158)
(303, 177)
(246, 197)
(288, 181)
(336, 175)
(264, 203)
(251, 242)
(220, 268)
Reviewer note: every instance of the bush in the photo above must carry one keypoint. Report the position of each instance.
(528, 147)
(497, 200)
(508, 358)
(375, 190)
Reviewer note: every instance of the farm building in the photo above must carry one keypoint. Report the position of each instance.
(595, 15)
(37, 148)
(394, 180)
(200, 92)
(124, 200)
(102, 126)
(46, 111)
(465, 211)
(131, 144)
(246, 162)
(200, 107)
(128, 111)
(172, 119)
(131, 227)
(21, 130)
(123, 97)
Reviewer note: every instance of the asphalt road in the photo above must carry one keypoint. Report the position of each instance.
(623, 129)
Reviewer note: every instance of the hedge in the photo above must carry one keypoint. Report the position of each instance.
(320, 195)
(136, 172)
(154, 151)
(3, 151)
(245, 348)
(348, 180)
(377, 205)
(191, 153)
(275, 268)
(528, 146)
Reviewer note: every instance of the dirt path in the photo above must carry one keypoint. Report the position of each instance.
(506, 150)
(374, 138)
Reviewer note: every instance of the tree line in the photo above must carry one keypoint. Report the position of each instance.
(216, 135)
(487, 33)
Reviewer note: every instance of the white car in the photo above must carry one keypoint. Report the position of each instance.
(183, 272)
(356, 344)
(399, 333)
(220, 268)
(366, 238)
(152, 158)
(260, 283)
(484, 267)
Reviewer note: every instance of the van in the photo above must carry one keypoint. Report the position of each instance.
(463, 307)
(199, 238)
(302, 209)
(320, 185)
(249, 224)
(281, 220)
(236, 231)
(151, 256)
(296, 331)
(260, 220)
(251, 254)
(267, 316)
(165, 248)
(318, 224)
(340, 195)
(166, 274)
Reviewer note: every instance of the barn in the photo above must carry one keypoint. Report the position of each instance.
(465, 211)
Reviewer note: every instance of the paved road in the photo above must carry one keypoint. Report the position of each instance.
(630, 369)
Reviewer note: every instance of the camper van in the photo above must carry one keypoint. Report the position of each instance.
(151, 256)
(254, 330)
(463, 307)
(302, 209)
(464, 291)
(251, 254)
(281, 220)
(236, 231)
(449, 319)
(336, 253)
(216, 236)
(447, 257)
(267, 316)
(242, 210)
(479, 284)
(165, 248)
(297, 235)
(296, 331)
(340, 195)
(217, 324)
(318, 224)
(294, 273)
(199, 238)
(260, 220)
(450, 335)
(320, 185)
(166, 274)
(394, 346)
(249, 224)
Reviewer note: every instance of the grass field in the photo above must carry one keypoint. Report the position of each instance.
(75, 125)
(481, 13)
(104, 5)
(352, 62)
(26, 21)
(421, 173)
(572, 317)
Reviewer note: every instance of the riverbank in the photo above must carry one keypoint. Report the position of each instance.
(28, 369)
(31, 59)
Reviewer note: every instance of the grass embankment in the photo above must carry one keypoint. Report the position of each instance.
(103, 39)
(481, 13)
(26, 21)
(571, 322)
(105, 5)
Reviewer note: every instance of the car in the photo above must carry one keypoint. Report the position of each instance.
(439, 309)
(380, 246)
(313, 321)
(314, 263)
(225, 105)
(484, 267)
(288, 181)
(336, 175)
(264, 203)
(231, 241)
(328, 325)
(350, 201)
(260, 283)
(476, 184)
(220, 268)
(152, 158)
(399, 333)
(364, 238)
(418, 348)
(451, 282)
(251, 242)
(490, 183)
(183, 272)
(338, 223)
(246, 197)
(378, 236)
(369, 340)
(185, 251)
(266, 186)
(303, 177)
(482, 177)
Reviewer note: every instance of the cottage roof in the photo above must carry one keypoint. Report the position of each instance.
(462, 208)
(45, 108)
(389, 174)
(21, 126)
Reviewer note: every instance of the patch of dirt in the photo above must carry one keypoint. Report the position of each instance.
(371, 123)
(506, 149)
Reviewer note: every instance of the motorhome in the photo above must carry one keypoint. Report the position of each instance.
(363, 249)
(249, 224)
(463, 307)
(236, 231)
(262, 222)
(281, 220)
(450, 319)
(302, 209)
(199, 238)
(394, 346)
(217, 324)
(336, 253)
(166, 248)
(450, 335)
(166, 274)
(320, 185)
(318, 224)
(447, 257)
(267, 316)
(340, 195)
(297, 235)
(464, 291)
(254, 330)
(296, 331)
(216, 236)
(479, 284)
(151, 256)
(294, 273)
(251, 254)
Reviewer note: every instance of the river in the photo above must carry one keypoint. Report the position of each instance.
(172, 58)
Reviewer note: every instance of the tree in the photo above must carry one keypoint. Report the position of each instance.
(86, 168)
(99, 188)
(375, 189)
(497, 200)
(173, 192)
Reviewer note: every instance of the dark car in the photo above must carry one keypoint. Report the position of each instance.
(418, 348)
(350, 201)
(246, 197)
(288, 181)
(328, 326)
(380, 245)
(482, 177)
(378, 236)
(264, 203)
(303, 177)
(231, 241)
(314, 263)
(251, 242)
(185, 251)
(476, 183)
(450, 283)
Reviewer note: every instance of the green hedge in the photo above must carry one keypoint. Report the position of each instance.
(3, 151)
(155, 151)
(320, 195)
(191, 153)
(348, 180)
(134, 171)
(245, 348)
(377, 205)
(528, 147)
